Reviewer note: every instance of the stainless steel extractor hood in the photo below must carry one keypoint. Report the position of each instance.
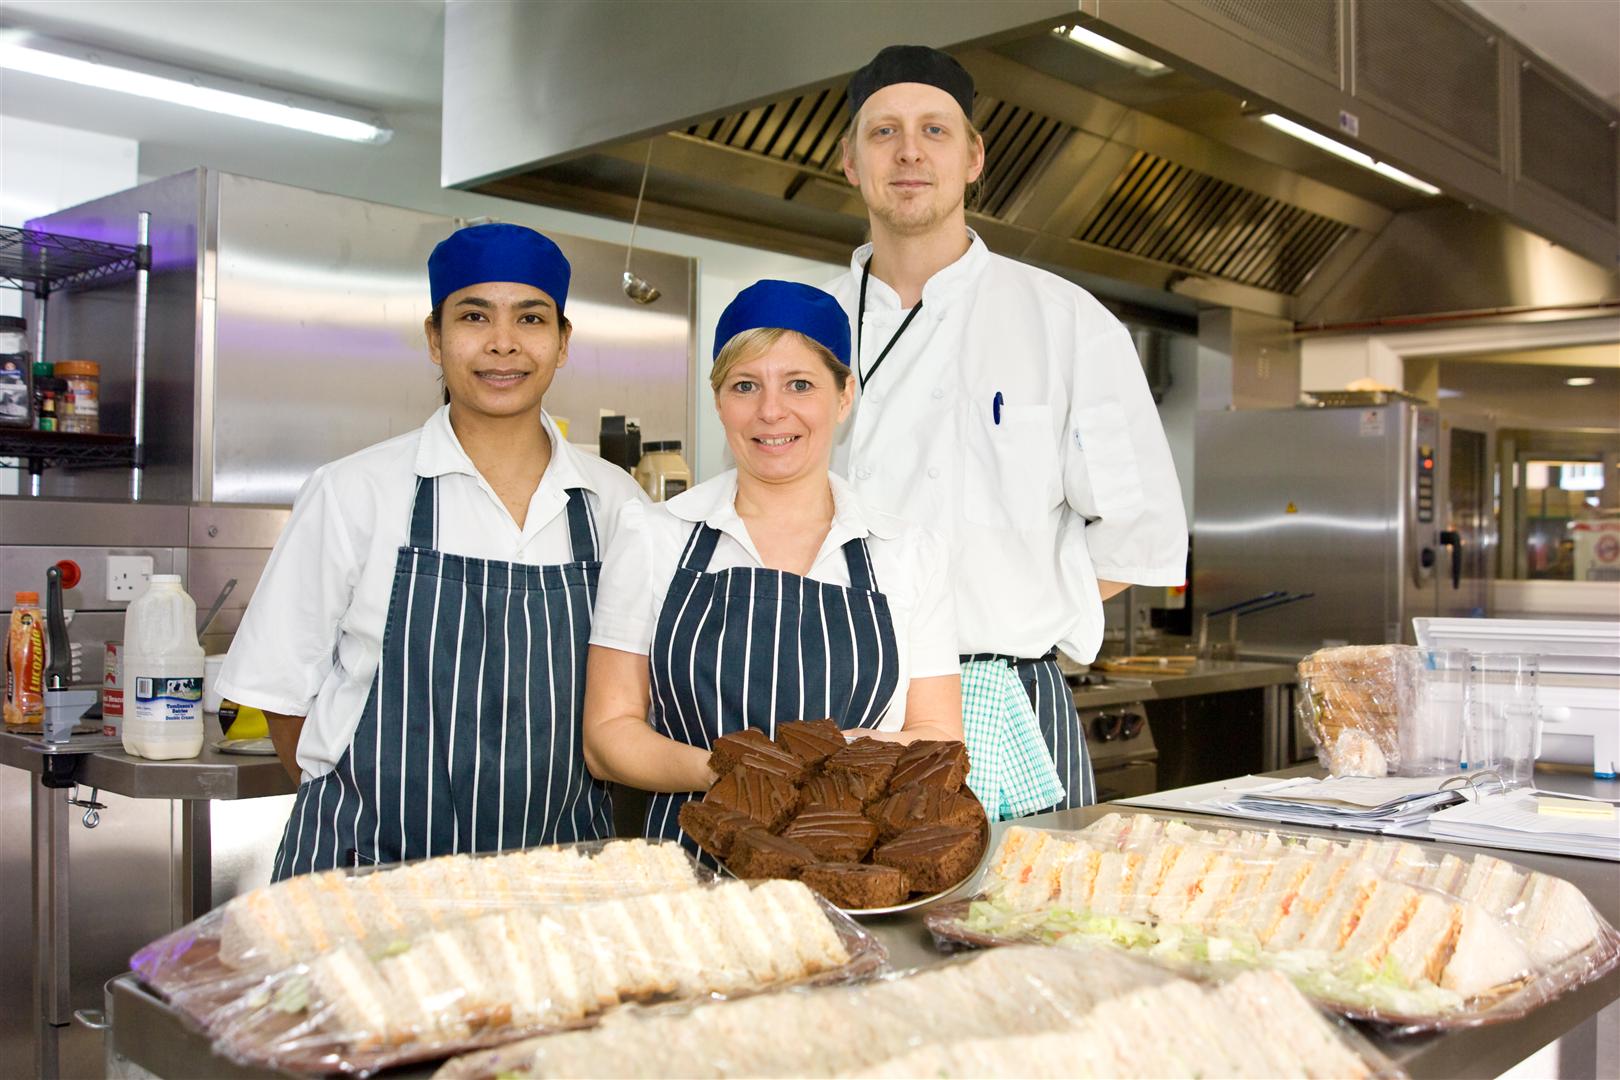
(1161, 185)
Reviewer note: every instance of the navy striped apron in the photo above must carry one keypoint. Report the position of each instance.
(1054, 706)
(470, 737)
(749, 647)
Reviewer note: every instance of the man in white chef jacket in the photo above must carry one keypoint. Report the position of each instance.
(1003, 407)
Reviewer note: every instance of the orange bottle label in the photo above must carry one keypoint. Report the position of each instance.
(25, 669)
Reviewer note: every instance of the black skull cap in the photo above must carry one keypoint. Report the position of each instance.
(912, 64)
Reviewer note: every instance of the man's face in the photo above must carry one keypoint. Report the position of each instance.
(913, 155)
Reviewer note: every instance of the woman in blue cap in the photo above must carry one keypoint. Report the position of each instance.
(419, 636)
(768, 593)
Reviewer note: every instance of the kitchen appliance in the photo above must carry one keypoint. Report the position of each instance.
(1382, 510)
(1124, 758)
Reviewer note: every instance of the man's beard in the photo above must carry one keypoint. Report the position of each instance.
(912, 217)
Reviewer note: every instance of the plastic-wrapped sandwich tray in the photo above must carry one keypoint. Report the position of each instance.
(1016, 1011)
(353, 972)
(1375, 930)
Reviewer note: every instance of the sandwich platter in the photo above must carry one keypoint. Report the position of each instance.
(356, 971)
(1375, 930)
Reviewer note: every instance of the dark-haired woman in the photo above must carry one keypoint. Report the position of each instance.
(419, 636)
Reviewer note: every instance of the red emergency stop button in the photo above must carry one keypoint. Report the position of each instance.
(70, 573)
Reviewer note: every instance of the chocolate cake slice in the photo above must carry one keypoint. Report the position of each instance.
(872, 760)
(834, 835)
(811, 741)
(758, 854)
(934, 857)
(857, 885)
(835, 791)
(753, 747)
(939, 764)
(763, 796)
(918, 805)
(713, 826)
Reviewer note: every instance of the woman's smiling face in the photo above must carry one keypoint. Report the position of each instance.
(499, 345)
(780, 410)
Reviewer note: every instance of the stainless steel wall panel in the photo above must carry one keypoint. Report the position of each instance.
(25, 520)
(1299, 500)
(235, 526)
(319, 347)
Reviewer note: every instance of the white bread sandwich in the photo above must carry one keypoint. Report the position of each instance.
(1487, 956)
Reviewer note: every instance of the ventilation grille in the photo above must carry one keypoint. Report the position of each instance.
(1427, 61)
(1162, 211)
(1018, 142)
(1308, 29)
(801, 131)
(805, 131)
(1566, 145)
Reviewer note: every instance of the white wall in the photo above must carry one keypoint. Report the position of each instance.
(45, 168)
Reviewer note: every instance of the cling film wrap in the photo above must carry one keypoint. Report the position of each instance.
(351, 972)
(1352, 700)
(1376, 930)
(1014, 1012)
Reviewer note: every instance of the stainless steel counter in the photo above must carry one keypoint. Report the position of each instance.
(209, 775)
(1208, 678)
(1196, 680)
(147, 1033)
(166, 847)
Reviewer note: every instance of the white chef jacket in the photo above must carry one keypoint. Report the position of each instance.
(1074, 483)
(908, 562)
(311, 638)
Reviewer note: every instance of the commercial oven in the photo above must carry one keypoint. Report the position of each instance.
(1382, 509)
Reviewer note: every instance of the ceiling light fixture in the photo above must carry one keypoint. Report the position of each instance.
(34, 54)
(1119, 54)
(1338, 149)
(1580, 380)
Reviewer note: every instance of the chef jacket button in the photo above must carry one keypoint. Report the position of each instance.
(933, 473)
(938, 393)
(864, 471)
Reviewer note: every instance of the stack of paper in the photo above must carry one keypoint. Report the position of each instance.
(1514, 821)
(1346, 802)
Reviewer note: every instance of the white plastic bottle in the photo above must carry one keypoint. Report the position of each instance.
(163, 673)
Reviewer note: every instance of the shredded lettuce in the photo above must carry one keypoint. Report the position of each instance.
(1318, 973)
(291, 996)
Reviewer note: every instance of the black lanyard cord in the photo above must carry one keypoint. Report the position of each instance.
(860, 319)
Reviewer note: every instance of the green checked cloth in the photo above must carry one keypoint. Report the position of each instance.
(1012, 771)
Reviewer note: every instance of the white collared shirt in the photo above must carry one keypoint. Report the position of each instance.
(908, 562)
(311, 638)
(1013, 418)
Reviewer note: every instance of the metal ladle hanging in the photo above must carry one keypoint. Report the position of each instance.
(638, 289)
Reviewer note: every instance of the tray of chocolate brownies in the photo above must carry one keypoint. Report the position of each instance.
(874, 826)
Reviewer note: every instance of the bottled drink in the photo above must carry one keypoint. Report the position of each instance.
(163, 673)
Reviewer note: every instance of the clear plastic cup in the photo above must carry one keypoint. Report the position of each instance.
(1504, 716)
(1431, 735)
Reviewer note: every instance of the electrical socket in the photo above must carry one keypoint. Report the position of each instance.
(127, 576)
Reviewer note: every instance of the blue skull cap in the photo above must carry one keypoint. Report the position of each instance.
(498, 252)
(786, 305)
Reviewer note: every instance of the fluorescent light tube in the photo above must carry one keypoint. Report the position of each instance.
(1119, 54)
(1580, 380)
(1338, 149)
(34, 55)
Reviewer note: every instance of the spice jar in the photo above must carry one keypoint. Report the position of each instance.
(81, 410)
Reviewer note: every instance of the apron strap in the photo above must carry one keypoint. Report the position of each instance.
(581, 527)
(700, 547)
(425, 513)
(859, 560)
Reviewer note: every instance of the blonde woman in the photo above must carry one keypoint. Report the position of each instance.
(768, 593)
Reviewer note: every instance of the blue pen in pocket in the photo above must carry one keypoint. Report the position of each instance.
(995, 408)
